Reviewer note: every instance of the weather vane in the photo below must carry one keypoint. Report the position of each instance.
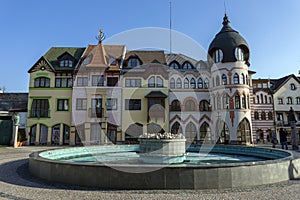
(100, 37)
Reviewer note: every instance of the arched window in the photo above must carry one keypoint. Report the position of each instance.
(224, 79)
(239, 54)
(237, 101)
(176, 128)
(270, 100)
(42, 82)
(243, 79)
(186, 83)
(218, 56)
(244, 101)
(244, 131)
(257, 97)
(187, 65)
(266, 99)
(262, 98)
(270, 115)
(256, 115)
(263, 115)
(247, 81)
(172, 83)
(175, 105)
(151, 82)
(297, 100)
(190, 106)
(206, 84)
(217, 81)
(178, 83)
(133, 62)
(225, 101)
(200, 83)
(204, 105)
(159, 82)
(289, 100)
(174, 65)
(193, 83)
(218, 103)
(236, 79)
(55, 135)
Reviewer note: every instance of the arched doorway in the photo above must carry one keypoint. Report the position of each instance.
(223, 133)
(205, 134)
(191, 133)
(244, 132)
(43, 134)
(176, 128)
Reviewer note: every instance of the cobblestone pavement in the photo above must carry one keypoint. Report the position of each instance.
(16, 183)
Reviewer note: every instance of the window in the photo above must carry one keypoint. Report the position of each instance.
(151, 82)
(218, 103)
(224, 79)
(133, 82)
(98, 80)
(204, 105)
(297, 100)
(225, 101)
(66, 63)
(172, 83)
(174, 65)
(132, 104)
(265, 85)
(95, 133)
(82, 81)
(292, 86)
(190, 106)
(256, 115)
(217, 81)
(289, 100)
(243, 79)
(239, 54)
(266, 99)
(237, 101)
(206, 84)
(111, 104)
(96, 107)
(175, 105)
(81, 104)
(200, 83)
(42, 82)
(236, 79)
(178, 83)
(187, 65)
(39, 108)
(257, 97)
(133, 62)
(280, 101)
(259, 85)
(112, 81)
(279, 117)
(193, 83)
(270, 100)
(270, 115)
(62, 104)
(218, 56)
(263, 115)
(186, 83)
(63, 82)
(262, 98)
(159, 82)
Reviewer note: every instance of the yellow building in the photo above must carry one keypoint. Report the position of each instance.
(50, 97)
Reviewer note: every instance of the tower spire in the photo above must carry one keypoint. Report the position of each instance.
(170, 27)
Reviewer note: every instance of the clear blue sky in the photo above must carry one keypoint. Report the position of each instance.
(29, 28)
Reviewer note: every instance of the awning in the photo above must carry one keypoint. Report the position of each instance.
(156, 94)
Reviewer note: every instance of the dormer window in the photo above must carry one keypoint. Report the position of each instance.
(218, 56)
(239, 54)
(187, 65)
(133, 62)
(174, 65)
(66, 63)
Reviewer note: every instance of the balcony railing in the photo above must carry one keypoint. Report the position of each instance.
(39, 113)
(96, 112)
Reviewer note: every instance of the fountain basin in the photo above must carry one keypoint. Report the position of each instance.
(273, 168)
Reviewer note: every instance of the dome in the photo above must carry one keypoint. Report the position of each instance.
(232, 45)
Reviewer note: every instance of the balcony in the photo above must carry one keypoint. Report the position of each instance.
(96, 112)
(39, 113)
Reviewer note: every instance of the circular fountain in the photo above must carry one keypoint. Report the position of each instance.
(162, 163)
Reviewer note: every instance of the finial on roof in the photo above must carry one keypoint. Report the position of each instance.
(100, 37)
(225, 20)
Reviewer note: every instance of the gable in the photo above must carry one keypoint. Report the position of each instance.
(41, 65)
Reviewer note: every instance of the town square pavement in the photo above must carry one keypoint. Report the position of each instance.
(17, 183)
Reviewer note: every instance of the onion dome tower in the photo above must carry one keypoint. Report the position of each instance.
(228, 56)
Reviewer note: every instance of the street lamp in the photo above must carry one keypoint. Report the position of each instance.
(292, 120)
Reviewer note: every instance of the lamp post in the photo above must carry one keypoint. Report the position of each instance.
(16, 120)
(292, 120)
